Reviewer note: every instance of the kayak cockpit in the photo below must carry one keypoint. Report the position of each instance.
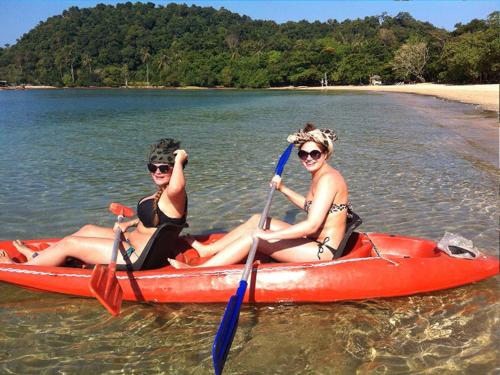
(359, 245)
(404, 247)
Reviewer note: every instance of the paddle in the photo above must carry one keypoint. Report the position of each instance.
(103, 282)
(229, 324)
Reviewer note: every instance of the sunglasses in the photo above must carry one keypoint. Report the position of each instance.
(164, 168)
(315, 154)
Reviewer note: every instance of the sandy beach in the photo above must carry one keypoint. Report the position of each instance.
(487, 96)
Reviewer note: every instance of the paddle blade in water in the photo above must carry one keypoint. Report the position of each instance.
(105, 287)
(227, 329)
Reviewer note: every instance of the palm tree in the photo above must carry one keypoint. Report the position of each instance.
(232, 40)
(162, 62)
(87, 62)
(145, 56)
(124, 72)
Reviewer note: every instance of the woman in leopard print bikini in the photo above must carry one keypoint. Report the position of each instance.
(316, 237)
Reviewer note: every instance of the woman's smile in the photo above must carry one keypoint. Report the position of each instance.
(310, 163)
(161, 178)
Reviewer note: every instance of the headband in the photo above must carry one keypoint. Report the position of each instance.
(324, 137)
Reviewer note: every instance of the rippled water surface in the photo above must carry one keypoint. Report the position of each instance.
(415, 166)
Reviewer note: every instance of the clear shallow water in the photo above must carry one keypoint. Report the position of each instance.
(415, 166)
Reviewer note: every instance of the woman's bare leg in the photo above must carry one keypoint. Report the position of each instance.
(88, 230)
(89, 250)
(23, 249)
(296, 250)
(233, 235)
(215, 247)
(95, 231)
(231, 254)
(237, 250)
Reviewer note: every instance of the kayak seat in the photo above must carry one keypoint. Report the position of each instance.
(163, 244)
(353, 221)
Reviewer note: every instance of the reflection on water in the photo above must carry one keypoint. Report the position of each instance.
(415, 166)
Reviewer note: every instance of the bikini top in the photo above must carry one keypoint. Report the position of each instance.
(333, 208)
(145, 214)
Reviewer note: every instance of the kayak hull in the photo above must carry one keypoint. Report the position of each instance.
(408, 266)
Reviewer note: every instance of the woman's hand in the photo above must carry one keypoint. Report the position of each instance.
(122, 226)
(265, 235)
(181, 156)
(125, 225)
(277, 181)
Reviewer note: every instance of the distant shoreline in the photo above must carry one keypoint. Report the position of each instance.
(486, 96)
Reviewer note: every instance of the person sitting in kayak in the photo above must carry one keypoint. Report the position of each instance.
(93, 244)
(313, 239)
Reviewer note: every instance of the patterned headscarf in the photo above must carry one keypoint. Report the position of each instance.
(162, 151)
(324, 137)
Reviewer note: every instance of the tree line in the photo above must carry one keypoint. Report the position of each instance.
(136, 44)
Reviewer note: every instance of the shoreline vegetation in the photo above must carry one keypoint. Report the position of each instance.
(486, 96)
(145, 45)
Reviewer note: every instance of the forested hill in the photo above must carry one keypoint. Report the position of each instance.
(178, 45)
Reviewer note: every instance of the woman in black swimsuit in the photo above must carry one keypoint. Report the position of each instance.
(316, 237)
(93, 244)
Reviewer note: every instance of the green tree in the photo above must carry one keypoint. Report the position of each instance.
(193, 45)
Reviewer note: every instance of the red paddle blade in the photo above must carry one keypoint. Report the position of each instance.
(105, 287)
(120, 209)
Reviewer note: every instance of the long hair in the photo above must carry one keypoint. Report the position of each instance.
(156, 199)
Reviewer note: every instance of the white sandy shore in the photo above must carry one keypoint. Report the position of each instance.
(487, 96)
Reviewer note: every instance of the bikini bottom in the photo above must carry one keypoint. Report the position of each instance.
(321, 248)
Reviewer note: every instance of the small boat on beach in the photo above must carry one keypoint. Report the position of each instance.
(373, 266)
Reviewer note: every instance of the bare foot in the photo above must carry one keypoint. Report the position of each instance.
(23, 249)
(195, 244)
(4, 258)
(177, 264)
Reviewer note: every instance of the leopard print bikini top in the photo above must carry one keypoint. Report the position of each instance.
(334, 207)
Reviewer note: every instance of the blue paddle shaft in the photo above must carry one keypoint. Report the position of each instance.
(279, 170)
(229, 324)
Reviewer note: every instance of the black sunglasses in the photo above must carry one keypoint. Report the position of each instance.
(315, 154)
(164, 168)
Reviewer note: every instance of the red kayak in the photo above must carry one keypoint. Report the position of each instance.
(401, 266)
